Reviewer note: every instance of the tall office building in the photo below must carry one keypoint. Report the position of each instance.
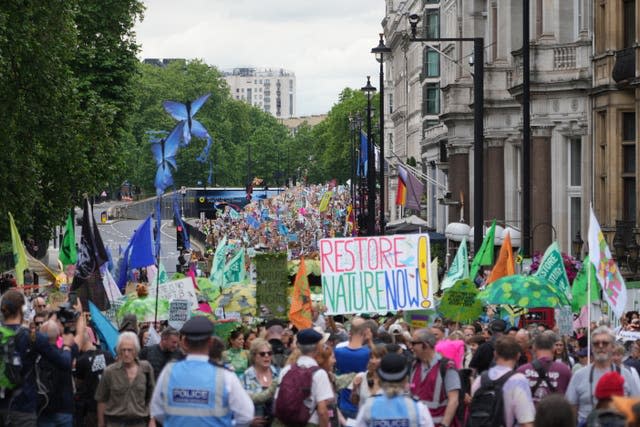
(270, 89)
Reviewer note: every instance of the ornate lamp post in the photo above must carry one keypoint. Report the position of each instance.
(371, 164)
(379, 51)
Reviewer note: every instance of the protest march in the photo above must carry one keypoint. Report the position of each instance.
(371, 317)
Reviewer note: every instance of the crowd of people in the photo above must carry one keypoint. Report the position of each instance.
(342, 371)
(291, 220)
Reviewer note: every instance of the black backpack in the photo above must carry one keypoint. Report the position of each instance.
(487, 405)
(542, 376)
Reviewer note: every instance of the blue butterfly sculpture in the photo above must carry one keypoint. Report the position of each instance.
(187, 125)
(164, 152)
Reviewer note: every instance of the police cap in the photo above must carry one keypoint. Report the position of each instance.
(197, 328)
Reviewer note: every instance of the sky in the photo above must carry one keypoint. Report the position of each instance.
(326, 43)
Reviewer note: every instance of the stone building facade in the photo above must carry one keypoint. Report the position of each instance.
(560, 44)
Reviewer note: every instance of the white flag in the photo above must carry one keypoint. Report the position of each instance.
(607, 271)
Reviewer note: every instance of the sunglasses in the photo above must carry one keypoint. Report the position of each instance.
(41, 305)
(417, 343)
(265, 353)
(601, 343)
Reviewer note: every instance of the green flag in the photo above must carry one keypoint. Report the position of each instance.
(580, 284)
(485, 253)
(217, 266)
(19, 254)
(459, 268)
(234, 271)
(68, 253)
(552, 268)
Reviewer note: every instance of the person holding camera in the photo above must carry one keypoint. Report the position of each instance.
(18, 407)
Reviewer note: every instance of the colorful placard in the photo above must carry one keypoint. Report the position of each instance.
(376, 274)
(564, 320)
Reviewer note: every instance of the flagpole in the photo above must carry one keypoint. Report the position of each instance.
(159, 222)
(589, 315)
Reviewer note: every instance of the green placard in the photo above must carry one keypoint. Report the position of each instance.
(272, 279)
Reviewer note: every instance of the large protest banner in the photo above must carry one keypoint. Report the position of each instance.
(376, 274)
(272, 280)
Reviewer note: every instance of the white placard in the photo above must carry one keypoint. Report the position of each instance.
(178, 313)
(177, 289)
(628, 336)
(564, 320)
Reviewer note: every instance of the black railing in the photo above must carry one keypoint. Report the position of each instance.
(625, 66)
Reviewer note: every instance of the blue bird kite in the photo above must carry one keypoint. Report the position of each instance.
(164, 153)
(187, 125)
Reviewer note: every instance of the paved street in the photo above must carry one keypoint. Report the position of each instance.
(117, 234)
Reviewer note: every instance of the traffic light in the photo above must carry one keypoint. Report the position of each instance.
(179, 237)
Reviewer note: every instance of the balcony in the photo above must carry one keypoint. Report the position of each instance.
(624, 69)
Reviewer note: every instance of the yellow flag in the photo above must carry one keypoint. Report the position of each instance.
(19, 254)
(324, 202)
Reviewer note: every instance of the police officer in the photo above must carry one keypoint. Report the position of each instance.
(393, 406)
(195, 392)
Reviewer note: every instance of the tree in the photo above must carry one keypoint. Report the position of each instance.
(59, 130)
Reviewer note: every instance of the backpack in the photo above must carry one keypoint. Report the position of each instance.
(11, 376)
(295, 389)
(487, 405)
(542, 376)
(45, 383)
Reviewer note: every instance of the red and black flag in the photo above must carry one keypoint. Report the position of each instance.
(87, 281)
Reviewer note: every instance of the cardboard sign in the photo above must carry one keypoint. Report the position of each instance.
(272, 280)
(112, 312)
(564, 320)
(376, 274)
(628, 336)
(178, 313)
(177, 289)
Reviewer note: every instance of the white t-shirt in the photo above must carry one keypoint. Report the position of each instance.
(320, 385)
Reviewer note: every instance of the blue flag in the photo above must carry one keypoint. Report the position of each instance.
(252, 221)
(105, 329)
(142, 247)
(364, 154)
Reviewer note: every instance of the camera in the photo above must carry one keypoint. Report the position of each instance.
(67, 316)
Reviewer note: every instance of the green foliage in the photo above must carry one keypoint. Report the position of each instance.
(65, 71)
(234, 126)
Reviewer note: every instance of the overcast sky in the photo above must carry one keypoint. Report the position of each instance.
(326, 43)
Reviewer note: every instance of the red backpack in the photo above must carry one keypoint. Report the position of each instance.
(294, 389)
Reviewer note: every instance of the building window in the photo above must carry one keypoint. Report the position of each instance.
(432, 23)
(431, 60)
(494, 32)
(431, 99)
(575, 162)
(575, 217)
(291, 105)
(427, 124)
(431, 1)
(600, 28)
(629, 23)
(539, 17)
(629, 166)
(444, 154)
(390, 103)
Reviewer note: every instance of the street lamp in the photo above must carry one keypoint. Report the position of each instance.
(371, 164)
(577, 243)
(379, 51)
(478, 125)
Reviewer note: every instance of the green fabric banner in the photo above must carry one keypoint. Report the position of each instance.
(271, 284)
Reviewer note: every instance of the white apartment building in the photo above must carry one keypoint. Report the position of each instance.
(270, 89)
